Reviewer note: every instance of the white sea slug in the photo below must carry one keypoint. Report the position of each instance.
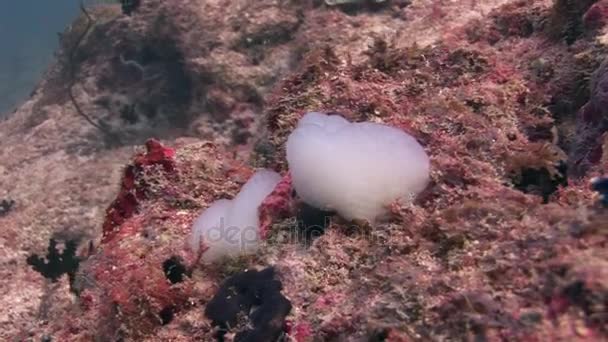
(230, 228)
(355, 169)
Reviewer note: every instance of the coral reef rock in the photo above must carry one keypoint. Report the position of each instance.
(507, 242)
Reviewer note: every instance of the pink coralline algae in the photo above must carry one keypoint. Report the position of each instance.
(301, 332)
(278, 204)
(140, 277)
(132, 190)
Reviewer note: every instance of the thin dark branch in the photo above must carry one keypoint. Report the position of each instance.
(71, 58)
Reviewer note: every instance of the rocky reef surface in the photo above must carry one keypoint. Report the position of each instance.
(508, 242)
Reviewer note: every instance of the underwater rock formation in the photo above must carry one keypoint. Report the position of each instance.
(474, 257)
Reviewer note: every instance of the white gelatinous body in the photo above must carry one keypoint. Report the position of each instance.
(356, 169)
(229, 228)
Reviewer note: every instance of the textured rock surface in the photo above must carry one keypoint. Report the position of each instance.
(491, 89)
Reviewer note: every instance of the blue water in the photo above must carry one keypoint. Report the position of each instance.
(28, 37)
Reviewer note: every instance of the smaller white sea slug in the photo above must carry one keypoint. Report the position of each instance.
(355, 169)
(229, 228)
